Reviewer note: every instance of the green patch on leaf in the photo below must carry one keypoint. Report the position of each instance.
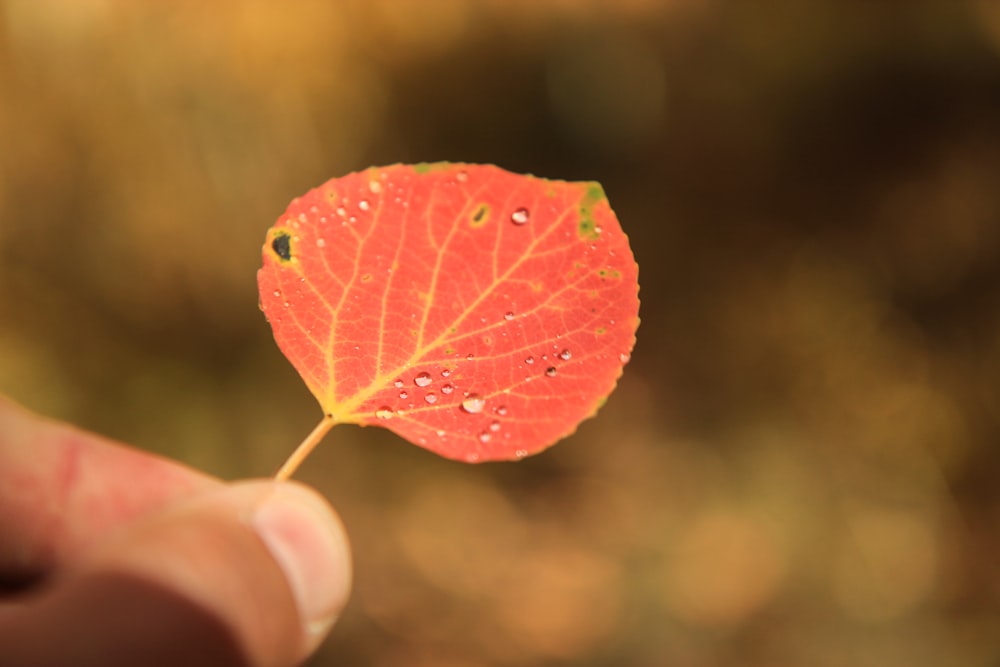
(425, 167)
(587, 228)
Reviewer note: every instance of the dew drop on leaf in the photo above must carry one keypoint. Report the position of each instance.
(404, 394)
(445, 372)
(398, 384)
(484, 437)
(364, 205)
(551, 371)
(501, 410)
(422, 379)
(520, 216)
(385, 412)
(529, 360)
(508, 316)
(494, 426)
(430, 398)
(447, 389)
(473, 404)
(565, 355)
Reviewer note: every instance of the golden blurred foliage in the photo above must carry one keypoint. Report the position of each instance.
(801, 465)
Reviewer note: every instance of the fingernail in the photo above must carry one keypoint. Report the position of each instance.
(307, 540)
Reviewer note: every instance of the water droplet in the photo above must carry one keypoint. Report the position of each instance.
(521, 453)
(447, 389)
(320, 243)
(484, 437)
(462, 176)
(404, 394)
(397, 383)
(551, 371)
(508, 316)
(565, 355)
(422, 379)
(430, 398)
(385, 412)
(519, 216)
(469, 357)
(598, 229)
(501, 410)
(375, 187)
(440, 433)
(445, 372)
(474, 404)
(302, 217)
(624, 357)
(494, 426)
(277, 292)
(529, 360)
(363, 205)
(341, 211)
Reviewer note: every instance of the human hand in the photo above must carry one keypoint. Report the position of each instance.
(110, 556)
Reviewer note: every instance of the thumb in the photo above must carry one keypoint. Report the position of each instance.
(252, 574)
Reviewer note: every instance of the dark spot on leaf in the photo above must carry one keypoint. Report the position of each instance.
(479, 215)
(282, 246)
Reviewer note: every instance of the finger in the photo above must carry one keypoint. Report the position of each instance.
(62, 489)
(253, 574)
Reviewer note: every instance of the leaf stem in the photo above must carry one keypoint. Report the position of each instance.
(293, 462)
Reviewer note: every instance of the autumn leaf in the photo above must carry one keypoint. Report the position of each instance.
(474, 312)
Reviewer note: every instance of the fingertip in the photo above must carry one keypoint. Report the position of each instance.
(307, 540)
(267, 562)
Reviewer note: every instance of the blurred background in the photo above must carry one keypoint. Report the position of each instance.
(801, 463)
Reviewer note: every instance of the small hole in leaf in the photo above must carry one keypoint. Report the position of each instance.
(282, 246)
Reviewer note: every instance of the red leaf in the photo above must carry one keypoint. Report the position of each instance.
(477, 313)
